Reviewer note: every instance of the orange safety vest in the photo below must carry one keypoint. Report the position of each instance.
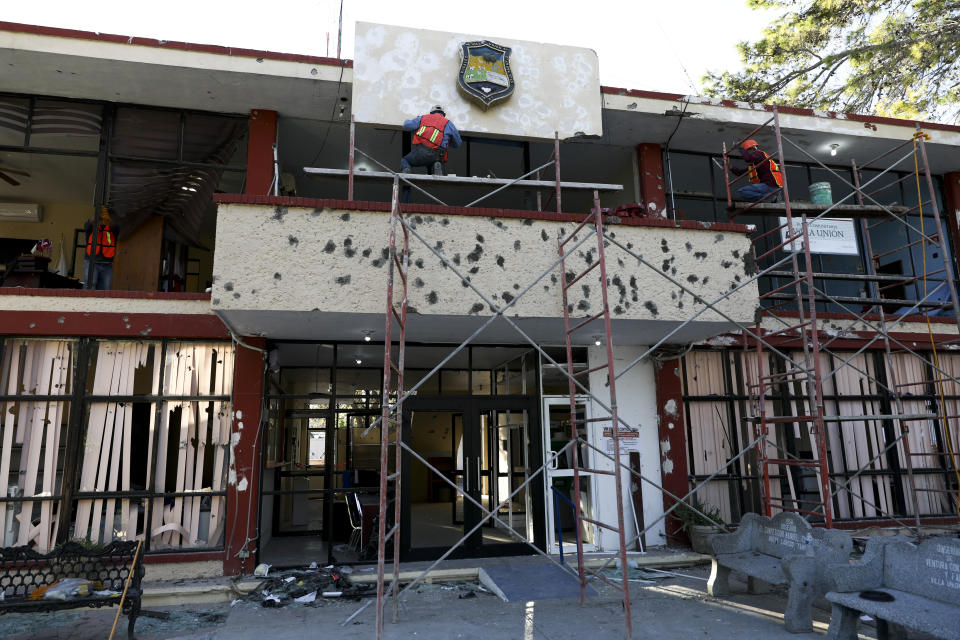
(430, 131)
(774, 171)
(106, 243)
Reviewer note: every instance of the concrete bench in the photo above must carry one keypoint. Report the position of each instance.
(783, 550)
(902, 585)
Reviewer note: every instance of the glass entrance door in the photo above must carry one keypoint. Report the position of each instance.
(559, 476)
(483, 446)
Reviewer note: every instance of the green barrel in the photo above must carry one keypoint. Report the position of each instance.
(820, 193)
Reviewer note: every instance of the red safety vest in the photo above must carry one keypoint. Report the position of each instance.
(774, 171)
(106, 243)
(430, 131)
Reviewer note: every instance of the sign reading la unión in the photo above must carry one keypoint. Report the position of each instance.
(837, 236)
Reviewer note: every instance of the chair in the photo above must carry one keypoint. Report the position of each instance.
(355, 516)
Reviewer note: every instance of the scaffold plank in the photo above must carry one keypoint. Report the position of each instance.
(420, 177)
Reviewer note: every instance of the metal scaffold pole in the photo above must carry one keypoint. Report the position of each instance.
(391, 402)
(776, 405)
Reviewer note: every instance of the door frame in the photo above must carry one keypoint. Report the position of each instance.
(552, 471)
(471, 406)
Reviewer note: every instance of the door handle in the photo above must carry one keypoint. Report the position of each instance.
(479, 483)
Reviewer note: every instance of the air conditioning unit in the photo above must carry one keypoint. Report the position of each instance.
(19, 212)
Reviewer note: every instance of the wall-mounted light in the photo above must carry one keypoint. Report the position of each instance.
(366, 335)
(597, 340)
(833, 148)
(359, 361)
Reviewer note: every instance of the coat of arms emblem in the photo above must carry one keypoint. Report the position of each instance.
(485, 75)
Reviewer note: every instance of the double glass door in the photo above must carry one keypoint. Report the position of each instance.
(483, 450)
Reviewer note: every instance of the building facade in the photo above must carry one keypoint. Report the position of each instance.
(221, 400)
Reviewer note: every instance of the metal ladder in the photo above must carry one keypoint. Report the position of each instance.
(391, 402)
(595, 218)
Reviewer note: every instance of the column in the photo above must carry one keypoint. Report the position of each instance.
(263, 135)
(243, 476)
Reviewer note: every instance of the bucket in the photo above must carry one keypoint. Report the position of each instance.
(820, 193)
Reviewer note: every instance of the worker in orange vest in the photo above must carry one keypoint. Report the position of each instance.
(765, 176)
(101, 249)
(433, 134)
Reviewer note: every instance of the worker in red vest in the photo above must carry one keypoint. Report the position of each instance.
(100, 251)
(765, 175)
(433, 134)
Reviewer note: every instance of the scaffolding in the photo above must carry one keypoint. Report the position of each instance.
(787, 391)
(767, 342)
(393, 393)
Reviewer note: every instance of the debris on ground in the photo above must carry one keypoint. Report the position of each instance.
(463, 590)
(634, 574)
(307, 587)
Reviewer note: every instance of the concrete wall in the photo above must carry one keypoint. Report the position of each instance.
(637, 406)
(299, 259)
(400, 73)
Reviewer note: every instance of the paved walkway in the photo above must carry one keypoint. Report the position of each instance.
(674, 608)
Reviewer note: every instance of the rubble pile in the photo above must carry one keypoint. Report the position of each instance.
(306, 586)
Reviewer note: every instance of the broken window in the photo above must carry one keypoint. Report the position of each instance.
(34, 393)
(869, 476)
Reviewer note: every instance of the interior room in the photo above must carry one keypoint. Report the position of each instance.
(155, 170)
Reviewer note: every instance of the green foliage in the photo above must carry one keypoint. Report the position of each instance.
(689, 517)
(890, 57)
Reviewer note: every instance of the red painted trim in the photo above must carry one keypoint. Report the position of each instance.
(263, 135)
(672, 431)
(798, 111)
(87, 293)
(829, 315)
(112, 325)
(242, 506)
(16, 27)
(355, 205)
(188, 556)
(915, 341)
(653, 194)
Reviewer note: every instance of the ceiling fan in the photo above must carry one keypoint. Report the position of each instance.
(6, 172)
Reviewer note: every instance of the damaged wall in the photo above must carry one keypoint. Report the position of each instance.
(325, 260)
(400, 73)
(636, 405)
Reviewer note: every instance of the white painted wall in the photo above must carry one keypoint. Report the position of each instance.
(399, 73)
(298, 259)
(637, 406)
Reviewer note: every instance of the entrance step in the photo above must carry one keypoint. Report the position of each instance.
(528, 581)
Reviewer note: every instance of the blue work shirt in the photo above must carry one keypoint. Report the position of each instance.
(451, 137)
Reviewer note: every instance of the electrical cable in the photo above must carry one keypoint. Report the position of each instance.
(666, 151)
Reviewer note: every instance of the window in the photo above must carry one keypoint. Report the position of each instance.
(153, 435)
(699, 193)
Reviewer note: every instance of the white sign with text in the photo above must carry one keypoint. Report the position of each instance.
(836, 236)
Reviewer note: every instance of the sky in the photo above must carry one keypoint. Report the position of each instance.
(659, 46)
